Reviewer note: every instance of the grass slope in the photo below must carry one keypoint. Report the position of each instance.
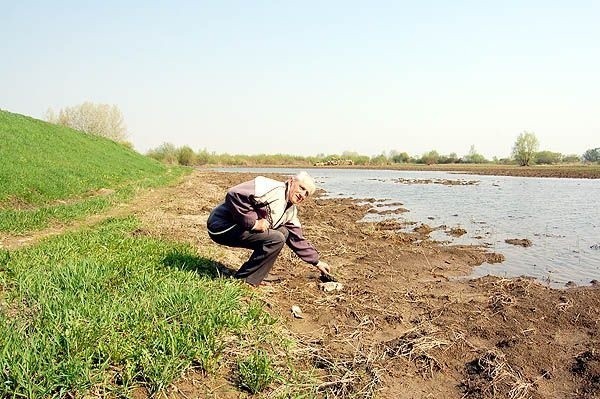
(102, 310)
(53, 173)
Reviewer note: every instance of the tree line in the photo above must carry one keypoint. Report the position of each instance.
(525, 152)
(107, 121)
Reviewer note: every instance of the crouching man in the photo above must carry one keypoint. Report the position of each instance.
(261, 215)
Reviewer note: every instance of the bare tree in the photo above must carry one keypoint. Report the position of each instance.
(98, 119)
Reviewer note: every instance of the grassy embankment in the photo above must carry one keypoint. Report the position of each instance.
(51, 174)
(100, 311)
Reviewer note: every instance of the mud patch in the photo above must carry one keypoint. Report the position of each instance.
(587, 368)
(457, 232)
(491, 376)
(523, 242)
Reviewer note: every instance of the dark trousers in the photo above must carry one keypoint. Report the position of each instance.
(266, 246)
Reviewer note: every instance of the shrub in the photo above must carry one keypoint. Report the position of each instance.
(186, 156)
(548, 157)
(166, 153)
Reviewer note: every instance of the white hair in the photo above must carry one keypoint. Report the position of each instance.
(307, 181)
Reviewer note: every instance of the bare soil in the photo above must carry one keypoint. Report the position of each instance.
(407, 323)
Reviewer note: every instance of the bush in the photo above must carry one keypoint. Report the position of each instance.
(446, 159)
(186, 156)
(571, 158)
(166, 153)
(548, 157)
(403, 157)
(430, 158)
(473, 156)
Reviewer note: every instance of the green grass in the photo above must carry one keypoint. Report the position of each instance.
(101, 311)
(256, 371)
(50, 173)
(17, 221)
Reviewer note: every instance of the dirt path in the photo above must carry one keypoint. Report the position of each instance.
(403, 326)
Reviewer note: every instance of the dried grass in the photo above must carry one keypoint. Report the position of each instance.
(417, 344)
(492, 376)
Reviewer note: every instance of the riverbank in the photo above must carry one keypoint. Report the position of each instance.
(559, 171)
(405, 325)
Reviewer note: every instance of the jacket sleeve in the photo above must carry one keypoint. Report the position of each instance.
(300, 245)
(239, 201)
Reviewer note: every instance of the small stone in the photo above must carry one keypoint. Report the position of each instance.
(297, 312)
(331, 286)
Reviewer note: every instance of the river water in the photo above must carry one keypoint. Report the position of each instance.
(561, 217)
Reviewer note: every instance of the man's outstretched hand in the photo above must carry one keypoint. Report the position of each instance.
(324, 268)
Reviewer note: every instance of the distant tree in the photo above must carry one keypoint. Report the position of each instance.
(430, 158)
(451, 158)
(592, 155)
(380, 159)
(525, 148)
(571, 158)
(361, 160)
(473, 156)
(399, 157)
(355, 157)
(186, 156)
(166, 153)
(548, 157)
(98, 119)
(203, 157)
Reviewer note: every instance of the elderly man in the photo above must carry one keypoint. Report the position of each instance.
(261, 215)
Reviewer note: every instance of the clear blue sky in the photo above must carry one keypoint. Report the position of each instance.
(308, 77)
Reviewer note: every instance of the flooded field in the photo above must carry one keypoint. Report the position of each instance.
(559, 218)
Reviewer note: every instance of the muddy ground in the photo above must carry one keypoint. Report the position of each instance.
(406, 325)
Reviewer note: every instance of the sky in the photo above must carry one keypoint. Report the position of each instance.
(311, 77)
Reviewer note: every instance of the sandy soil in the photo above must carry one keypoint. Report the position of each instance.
(405, 325)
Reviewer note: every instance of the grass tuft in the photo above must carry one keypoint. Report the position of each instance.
(256, 372)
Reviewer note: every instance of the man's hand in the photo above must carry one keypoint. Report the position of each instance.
(261, 225)
(324, 268)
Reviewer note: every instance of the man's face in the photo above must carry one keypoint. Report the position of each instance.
(298, 191)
